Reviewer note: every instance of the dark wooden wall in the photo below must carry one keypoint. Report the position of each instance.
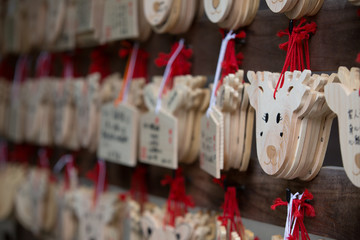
(336, 43)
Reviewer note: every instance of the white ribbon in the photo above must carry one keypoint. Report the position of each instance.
(62, 162)
(230, 35)
(167, 72)
(130, 73)
(21, 63)
(290, 219)
(101, 177)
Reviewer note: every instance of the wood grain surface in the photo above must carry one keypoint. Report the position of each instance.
(336, 200)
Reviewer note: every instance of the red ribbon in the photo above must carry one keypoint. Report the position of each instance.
(220, 181)
(138, 189)
(297, 47)
(231, 214)
(300, 209)
(140, 70)
(21, 153)
(177, 202)
(99, 62)
(181, 65)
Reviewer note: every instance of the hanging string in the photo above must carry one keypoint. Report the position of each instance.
(21, 73)
(43, 158)
(230, 35)
(231, 218)
(220, 181)
(69, 70)
(129, 73)
(178, 202)
(43, 64)
(68, 161)
(231, 61)
(138, 189)
(141, 62)
(98, 176)
(168, 73)
(297, 208)
(297, 47)
(180, 66)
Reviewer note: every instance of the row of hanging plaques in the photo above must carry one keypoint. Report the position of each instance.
(63, 24)
(292, 126)
(64, 209)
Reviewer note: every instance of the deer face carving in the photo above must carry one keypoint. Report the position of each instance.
(274, 116)
(152, 229)
(93, 219)
(346, 104)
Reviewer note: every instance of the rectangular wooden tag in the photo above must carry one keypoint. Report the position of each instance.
(66, 40)
(118, 134)
(120, 20)
(210, 145)
(159, 139)
(84, 13)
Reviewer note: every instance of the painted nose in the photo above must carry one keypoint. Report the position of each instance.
(271, 151)
(357, 160)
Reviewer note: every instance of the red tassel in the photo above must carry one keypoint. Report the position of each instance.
(178, 202)
(138, 189)
(300, 209)
(93, 175)
(220, 181)
(297, 47)
(22, 153)
(140, 70)
(231, 214)
(181, 65)
(99, 62)
(278, 202)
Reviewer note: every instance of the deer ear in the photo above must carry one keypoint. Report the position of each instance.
(183, 231)
(148, 225)
(334, 94)
(297, 90)
(254, 89)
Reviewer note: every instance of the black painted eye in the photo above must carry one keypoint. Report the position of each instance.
(278, 118)
(281, 134)
(178, 237)
(149, 231)
(266, 117)
(261, 133)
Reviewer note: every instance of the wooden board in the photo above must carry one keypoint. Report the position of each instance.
(337, 201)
